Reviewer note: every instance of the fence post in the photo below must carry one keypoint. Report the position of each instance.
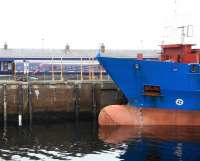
(101, 72)
(81, 68)
(89, 68)
(52, 69)
(61, 73)
(92, 59)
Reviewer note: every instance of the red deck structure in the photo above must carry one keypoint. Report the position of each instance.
(182, 53)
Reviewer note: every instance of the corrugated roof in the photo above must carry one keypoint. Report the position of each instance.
(73, 53)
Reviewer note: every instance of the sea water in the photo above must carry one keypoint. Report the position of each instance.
(86, 141)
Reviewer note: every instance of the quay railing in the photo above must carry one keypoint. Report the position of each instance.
(87, 69)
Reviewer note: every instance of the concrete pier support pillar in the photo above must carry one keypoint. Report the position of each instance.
(76, 100)
(4, 105)
(20, 105)
(94, 102)
(30, 103)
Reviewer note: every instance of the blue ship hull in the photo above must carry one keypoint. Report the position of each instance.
(156, 84)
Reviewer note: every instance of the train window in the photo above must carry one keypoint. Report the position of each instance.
(5, 66)
(1, 66)
(9, 66)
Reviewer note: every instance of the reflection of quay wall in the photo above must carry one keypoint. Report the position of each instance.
(69, 99)
(55, 142)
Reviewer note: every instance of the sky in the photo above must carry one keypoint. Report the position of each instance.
(85, 24)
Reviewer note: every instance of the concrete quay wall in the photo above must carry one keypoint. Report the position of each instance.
(53, 100)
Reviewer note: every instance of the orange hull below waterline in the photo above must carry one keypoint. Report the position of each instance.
(126, 115)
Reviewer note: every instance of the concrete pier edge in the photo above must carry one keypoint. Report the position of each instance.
(56, 100)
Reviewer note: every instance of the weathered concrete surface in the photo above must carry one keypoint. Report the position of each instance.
(57, 99)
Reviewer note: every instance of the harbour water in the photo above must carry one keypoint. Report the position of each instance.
(86, 141)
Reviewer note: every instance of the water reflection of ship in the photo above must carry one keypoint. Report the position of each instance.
(155, 143)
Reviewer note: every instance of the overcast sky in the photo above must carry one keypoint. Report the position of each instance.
(119, 24)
